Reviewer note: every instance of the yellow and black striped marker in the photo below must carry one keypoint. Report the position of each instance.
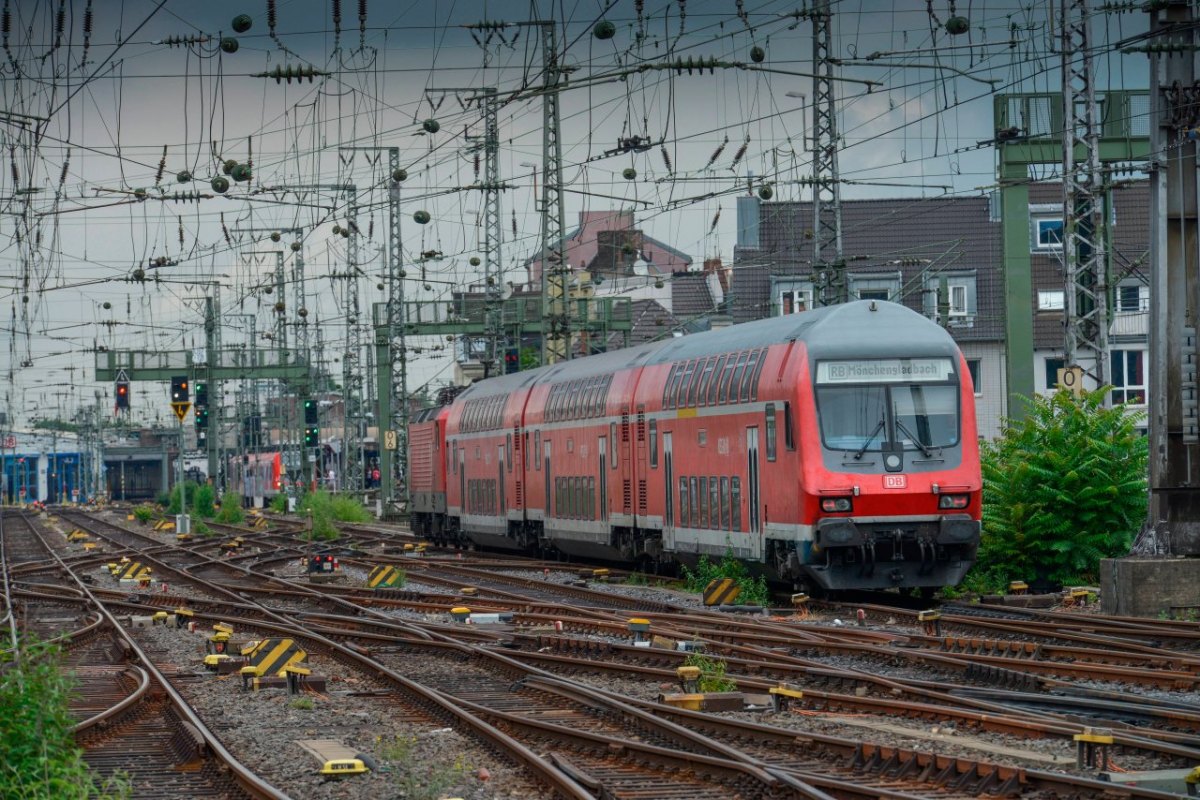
(272, 656)
(721, 591)
(77, 536)
(164, 525)
(133, 571)
(383, 577)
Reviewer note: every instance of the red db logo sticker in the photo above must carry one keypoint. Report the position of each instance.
(895, 481)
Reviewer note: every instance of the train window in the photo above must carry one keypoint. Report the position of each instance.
(591, 498)
(693, 391)
(716, 381)
(735, 503)
(789, 427)
(702, 502)
(714, 503)
(762, 361)
(681, 390)
(702, 437)
(696, 501)
(537, 450)
(508, 452)
(612, 437)
(653, 444)
(578, 482)
(726, 375)
(668, 400)
(750, 375)
(684, 506)
(725, 502)
(735, 380)
(705, 379)
(570, 445)
(770, 427)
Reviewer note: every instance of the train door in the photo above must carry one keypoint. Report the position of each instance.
(668, 500)
(752, 477)
(502, 498)
(546, 473)
(462, 481)
(602, 448)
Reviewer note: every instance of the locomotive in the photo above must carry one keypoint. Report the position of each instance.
(834, 449)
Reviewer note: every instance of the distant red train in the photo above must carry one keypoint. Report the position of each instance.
(256, 474)
(835, 449)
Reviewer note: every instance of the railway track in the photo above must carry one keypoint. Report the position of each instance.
(514, 690)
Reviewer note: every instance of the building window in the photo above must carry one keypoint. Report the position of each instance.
(1050, 300)
(794, 301)
(1133, 298)
(1053, 365)
(1129, 377)
(958, 300)
(973, 368)
(1047, 233)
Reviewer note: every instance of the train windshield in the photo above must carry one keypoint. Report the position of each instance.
(885, 405)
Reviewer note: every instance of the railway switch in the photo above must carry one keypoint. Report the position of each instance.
(783, 695)
(640, 627)
(1091, 743)
(689, 679)
(932, 621)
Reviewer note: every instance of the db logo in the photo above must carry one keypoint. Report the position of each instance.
(895, 481)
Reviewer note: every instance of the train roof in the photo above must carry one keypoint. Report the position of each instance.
(859, 329)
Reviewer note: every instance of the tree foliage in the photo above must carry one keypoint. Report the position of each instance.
(1062, 489)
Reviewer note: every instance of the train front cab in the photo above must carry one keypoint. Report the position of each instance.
(890, 483)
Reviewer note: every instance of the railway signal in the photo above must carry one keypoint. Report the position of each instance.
(179, 390)
(121, 391)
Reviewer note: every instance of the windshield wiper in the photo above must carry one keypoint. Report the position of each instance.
(858, 456)
(925, 451)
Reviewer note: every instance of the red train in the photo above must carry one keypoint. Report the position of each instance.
(835, 448)
(256, 474)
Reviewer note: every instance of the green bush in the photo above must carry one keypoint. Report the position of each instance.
(41, 760)
(143, 513)
(347, 509)
(754, 590)
(201, 501)
(175, 504)
(1062, 489)
(279, 504)
(319, 507)
(231, 513)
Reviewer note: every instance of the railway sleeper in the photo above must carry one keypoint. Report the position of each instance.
(998, 676)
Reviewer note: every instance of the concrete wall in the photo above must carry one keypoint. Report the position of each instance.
(991, 393)
(1151, 586)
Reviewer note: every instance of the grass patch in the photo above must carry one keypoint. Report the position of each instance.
(279, 504)
(143, 513)
(423, 778)
(302, 704)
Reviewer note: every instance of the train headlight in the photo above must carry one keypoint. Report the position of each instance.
(954, 501)
(835, 505)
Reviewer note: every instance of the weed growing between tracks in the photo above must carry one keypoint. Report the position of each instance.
(421, 777)
(143, 514)
(41, 760)
(712, 673)
(324, 508)
(754, 590)
(302, 704)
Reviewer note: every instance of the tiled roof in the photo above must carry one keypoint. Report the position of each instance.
(651, 322)
(690, 295)
(917, 237)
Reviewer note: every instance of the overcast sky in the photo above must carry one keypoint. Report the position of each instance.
(69, 246)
